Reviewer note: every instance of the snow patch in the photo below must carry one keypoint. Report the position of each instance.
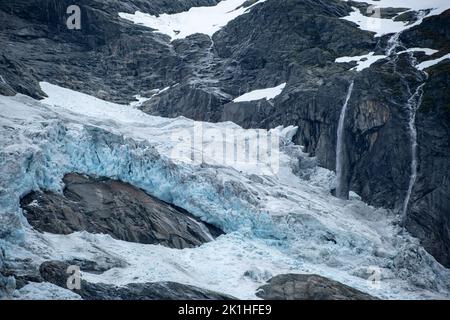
(378, 25)
(268, 94)
(430, 63)
(363, 61)
(427, 51)
(206, 20)
(382, 26)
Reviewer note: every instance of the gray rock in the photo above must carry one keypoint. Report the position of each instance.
(428, 216)
(100, 205)
(308, 287)
(110, 57)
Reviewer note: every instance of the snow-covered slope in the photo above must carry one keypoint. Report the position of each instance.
(267, 93)
(363, 62)
(277, 221)
(206, 20)
(372, 21)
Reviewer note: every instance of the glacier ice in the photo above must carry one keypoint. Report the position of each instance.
(276, 221)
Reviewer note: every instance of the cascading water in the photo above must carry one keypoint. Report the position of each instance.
(341, 188)
(412, 105)
(392, 44)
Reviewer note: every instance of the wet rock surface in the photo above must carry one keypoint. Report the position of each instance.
(100, 205)
(308, 287)
(55, 272)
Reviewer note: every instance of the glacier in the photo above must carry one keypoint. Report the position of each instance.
(276, 221)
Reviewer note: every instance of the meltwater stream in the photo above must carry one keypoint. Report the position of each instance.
(341, 189)
(412, 105)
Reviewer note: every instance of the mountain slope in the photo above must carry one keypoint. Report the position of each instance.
(269, 64)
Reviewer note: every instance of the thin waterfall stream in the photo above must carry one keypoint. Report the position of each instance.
(413, 105)
(341, 189)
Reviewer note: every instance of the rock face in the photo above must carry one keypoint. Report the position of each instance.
(308, 287)
(55, 272)
(429, 210)
(99, 205)
(43, 48)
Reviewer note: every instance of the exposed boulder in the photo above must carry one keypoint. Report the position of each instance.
(56, 272)
(187, 100)
(308, 287)
(100, 205)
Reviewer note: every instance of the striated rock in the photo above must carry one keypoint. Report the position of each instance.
(109, 57)
(56, 272)
(308, 287)
(100, 205)
(428, 217)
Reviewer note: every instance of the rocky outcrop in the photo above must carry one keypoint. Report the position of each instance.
(308, 287)
(56, 272)
(428, 217)
(430, 34)
(100, 205)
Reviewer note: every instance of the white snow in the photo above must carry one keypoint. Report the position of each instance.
(385, 26)
(363, 61)
(378, 25)
(268, 93)
(206, 20)
(429, 63)
(276, 221)
(426, 51)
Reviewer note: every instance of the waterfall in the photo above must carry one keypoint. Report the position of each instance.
(393, 43)
(341, 183)
(412, 105)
